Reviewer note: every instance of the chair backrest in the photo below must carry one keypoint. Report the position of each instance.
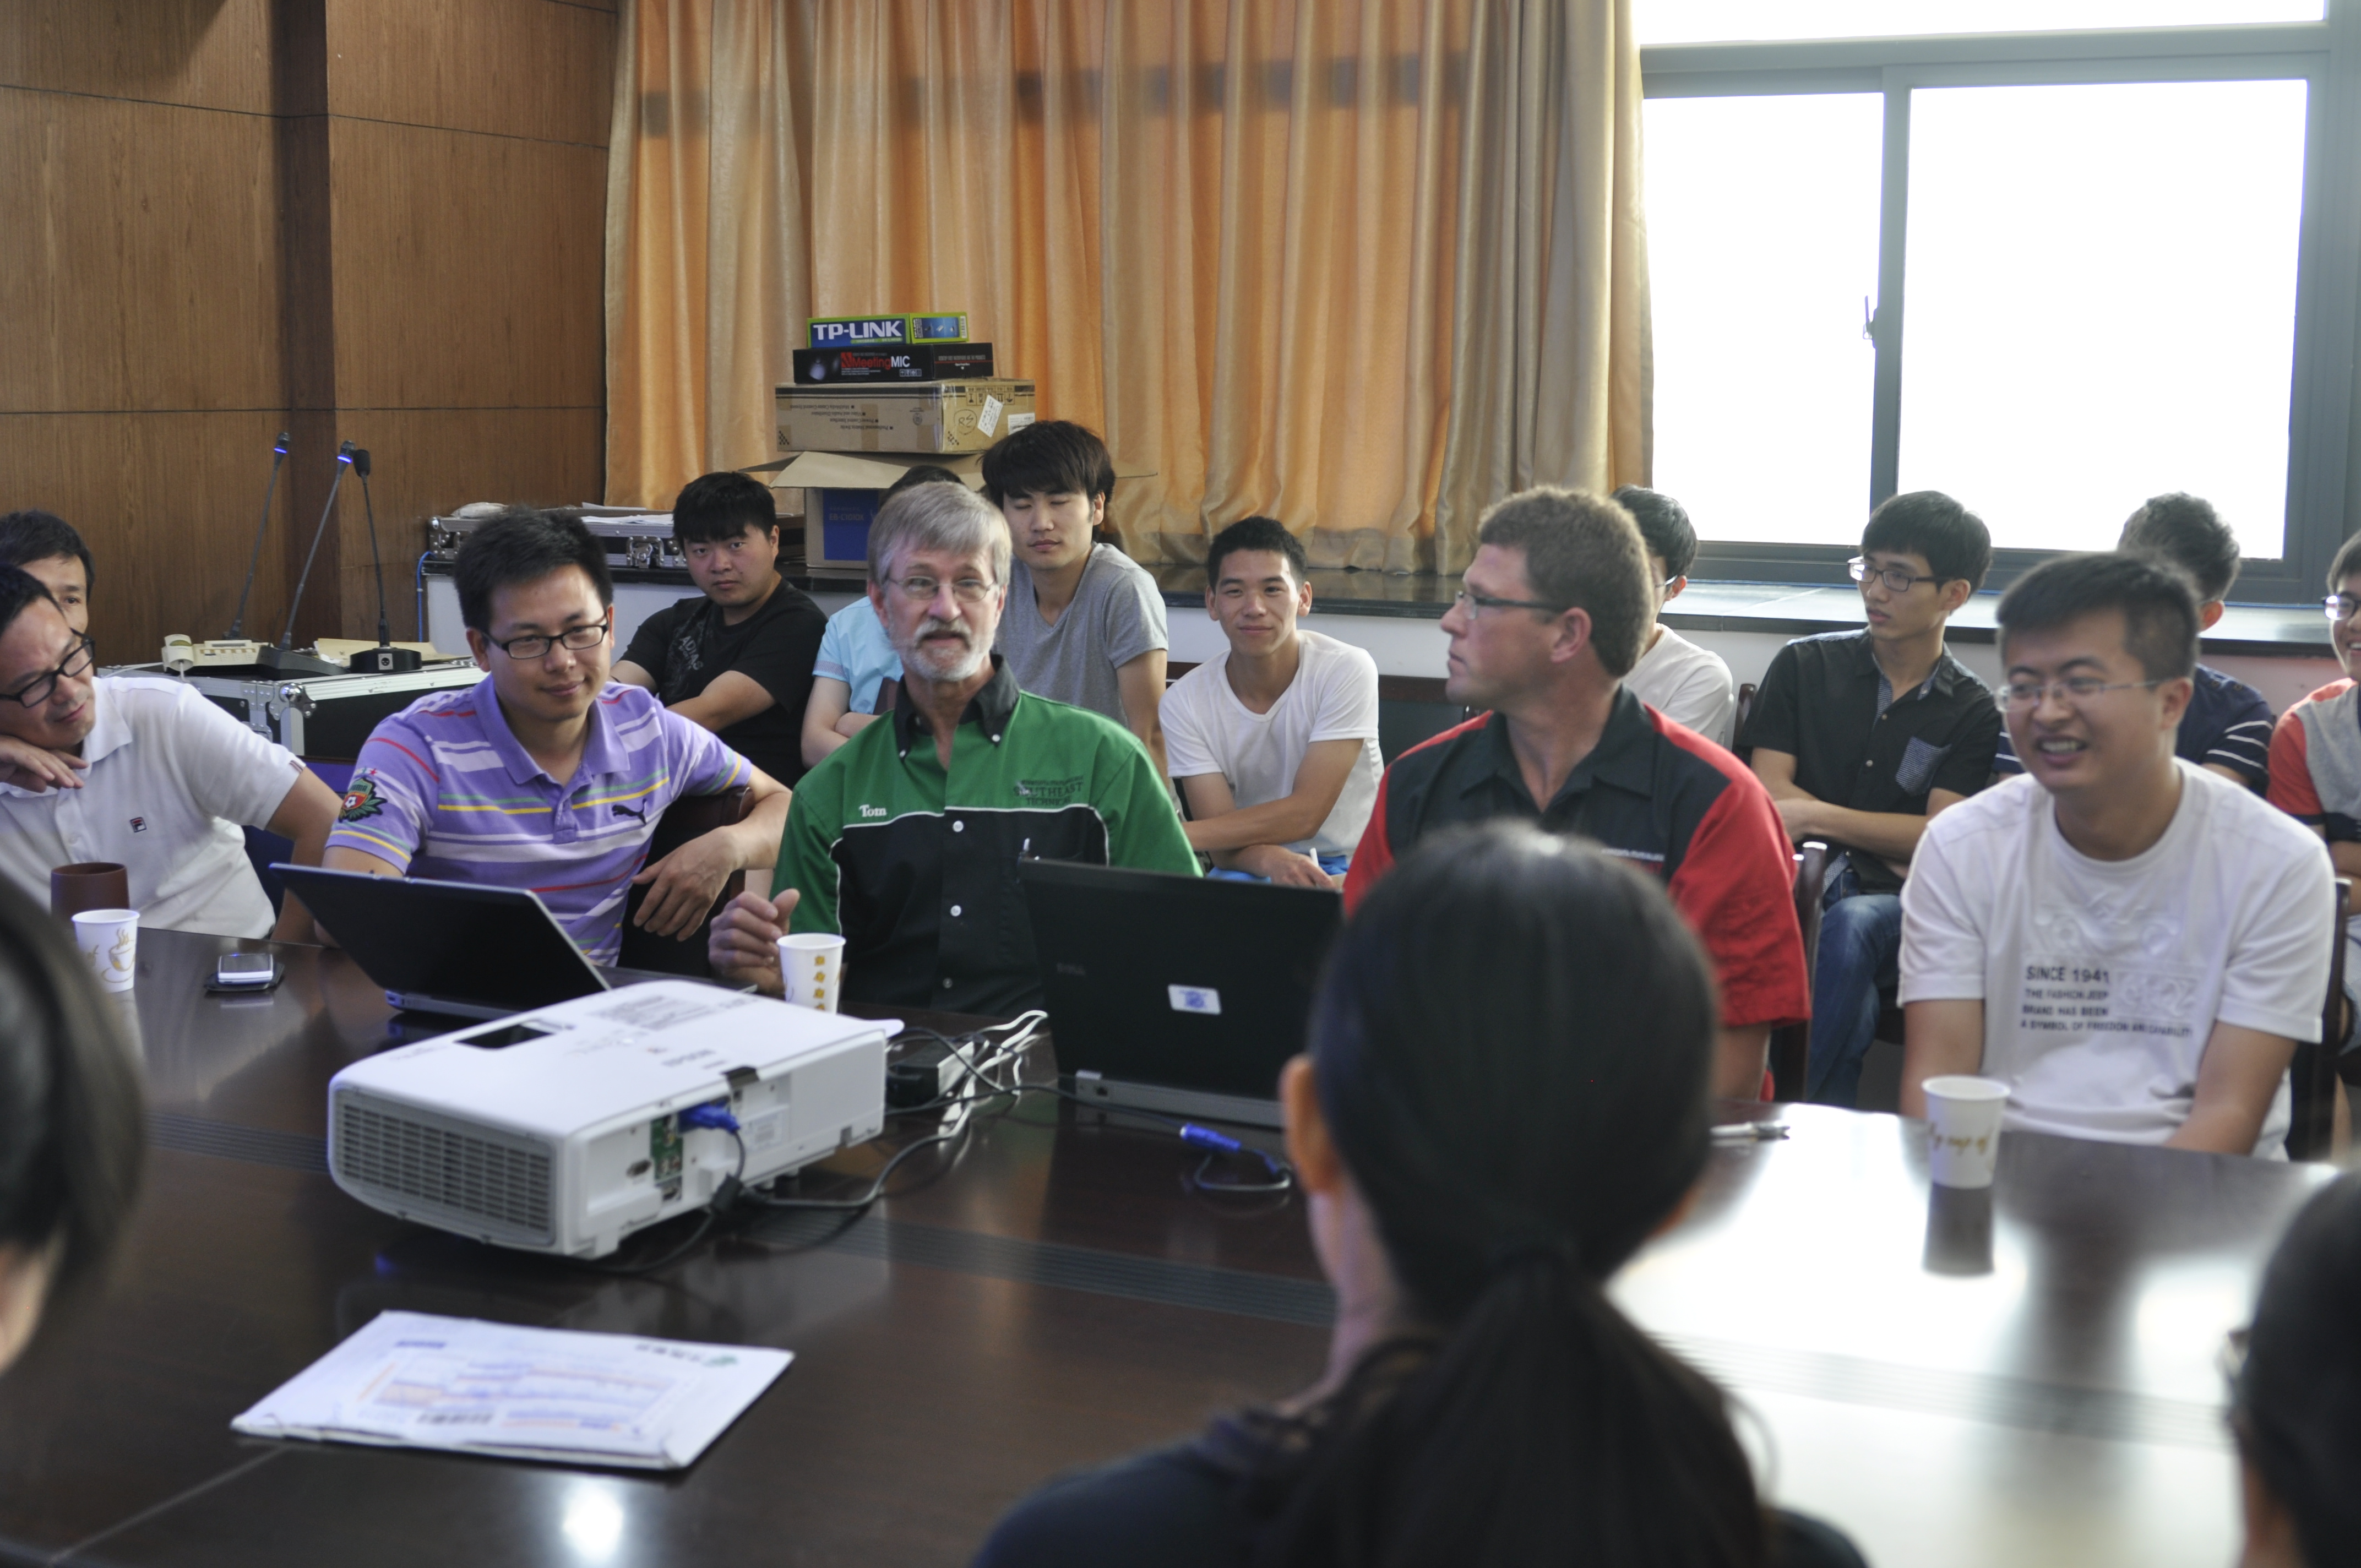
(1791, 1046)
(2311, 1076)
(690, 817)
(1738, 720)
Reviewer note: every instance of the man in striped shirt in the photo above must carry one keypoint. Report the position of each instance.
(545, 774)
(2226, 728)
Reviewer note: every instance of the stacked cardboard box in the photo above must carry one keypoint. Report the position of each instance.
(874, 397)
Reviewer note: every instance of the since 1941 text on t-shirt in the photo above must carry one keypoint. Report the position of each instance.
(2102, 980)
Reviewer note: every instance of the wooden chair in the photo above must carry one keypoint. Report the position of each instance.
(690, 817)
(1791, 1046)
(2313, 1074)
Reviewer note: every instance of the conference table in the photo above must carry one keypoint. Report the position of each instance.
(2030, 1376)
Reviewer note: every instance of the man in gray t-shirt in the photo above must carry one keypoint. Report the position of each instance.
(1084, 623)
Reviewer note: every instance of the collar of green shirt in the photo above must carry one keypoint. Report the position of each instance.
(990, 708)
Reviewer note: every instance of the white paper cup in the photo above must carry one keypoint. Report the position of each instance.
(811, 967)
(109, 940)
(1963, 1129)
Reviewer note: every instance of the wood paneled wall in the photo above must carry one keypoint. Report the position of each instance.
(343, 218)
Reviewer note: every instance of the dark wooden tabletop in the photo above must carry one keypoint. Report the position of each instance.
(2031, 1378)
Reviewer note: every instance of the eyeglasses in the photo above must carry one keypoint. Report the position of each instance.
(2073, 691)
(2341, 607)
(577, 638)
(1468, 599)
(1896, 579)
(78, 663)
(922, 590)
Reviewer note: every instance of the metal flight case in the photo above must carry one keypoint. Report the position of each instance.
(318, 718)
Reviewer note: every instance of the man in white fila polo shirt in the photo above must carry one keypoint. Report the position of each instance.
(143, 773)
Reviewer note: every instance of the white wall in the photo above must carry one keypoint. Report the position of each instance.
(1409, 645)
(1405, 646)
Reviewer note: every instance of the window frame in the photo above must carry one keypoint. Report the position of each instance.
(2321, 404)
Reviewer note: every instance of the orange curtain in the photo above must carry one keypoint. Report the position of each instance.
(1364, 266)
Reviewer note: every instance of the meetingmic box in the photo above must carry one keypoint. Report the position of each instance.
(912, 362)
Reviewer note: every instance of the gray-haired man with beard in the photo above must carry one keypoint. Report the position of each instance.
(906, 838)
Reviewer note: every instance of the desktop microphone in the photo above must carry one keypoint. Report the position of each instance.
(280, 656)
(385, 659)
(278, 455)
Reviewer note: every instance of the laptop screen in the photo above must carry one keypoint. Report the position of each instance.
(1177, 982)
(490, 946)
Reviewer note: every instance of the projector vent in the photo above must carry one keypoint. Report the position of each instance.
(462, 1177)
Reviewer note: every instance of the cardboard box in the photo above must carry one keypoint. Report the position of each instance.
(912, 362)
(853, 332)
(841, 494)
(929, 416)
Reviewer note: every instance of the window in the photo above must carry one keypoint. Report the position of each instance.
(1762, 260)
(1721, 21)
(2101, 280)
(2050, 273)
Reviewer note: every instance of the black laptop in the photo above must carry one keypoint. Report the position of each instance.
(1176, 994)
(452, 947)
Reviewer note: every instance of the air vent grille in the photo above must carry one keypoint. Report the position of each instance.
(481, 1183)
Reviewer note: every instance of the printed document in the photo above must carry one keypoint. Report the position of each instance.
(411, 1381)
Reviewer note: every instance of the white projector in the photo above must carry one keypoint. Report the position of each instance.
(560, 1131)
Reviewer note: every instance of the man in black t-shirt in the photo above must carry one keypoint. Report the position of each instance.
(1862, 738)
(738, 660)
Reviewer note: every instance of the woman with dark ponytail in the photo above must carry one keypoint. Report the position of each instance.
(2297, 1412)
(1506, 1095)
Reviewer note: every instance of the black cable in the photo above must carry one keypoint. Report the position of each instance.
(1282, 1175)
(876, 1183)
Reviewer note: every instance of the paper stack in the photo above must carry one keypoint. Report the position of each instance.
(411, 1381)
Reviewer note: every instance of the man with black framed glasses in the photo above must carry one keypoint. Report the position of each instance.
(545, 774)
(2227, 726)
(905, 840)
(1865, 736)
(2132, 943)
(1551, 616)
(143, 773)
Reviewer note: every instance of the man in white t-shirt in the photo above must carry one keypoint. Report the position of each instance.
(143, 773)
(1686, 684)
(1275, 742)
(2132, 944)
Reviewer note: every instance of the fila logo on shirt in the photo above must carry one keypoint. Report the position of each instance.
(139, 825)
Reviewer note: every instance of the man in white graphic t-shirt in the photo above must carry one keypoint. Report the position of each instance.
(2134, 944)
(1275, 742)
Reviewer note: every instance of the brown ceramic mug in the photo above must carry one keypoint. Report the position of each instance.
(89, 884)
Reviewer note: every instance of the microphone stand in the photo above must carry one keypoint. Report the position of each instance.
(385, 659)
(278, 656)
(237, 621)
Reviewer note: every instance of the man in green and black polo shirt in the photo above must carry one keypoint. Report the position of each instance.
(906, 838)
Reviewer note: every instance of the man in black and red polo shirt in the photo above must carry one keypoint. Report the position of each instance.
(1549, 620)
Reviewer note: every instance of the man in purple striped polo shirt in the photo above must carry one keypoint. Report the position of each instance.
(545, 774)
